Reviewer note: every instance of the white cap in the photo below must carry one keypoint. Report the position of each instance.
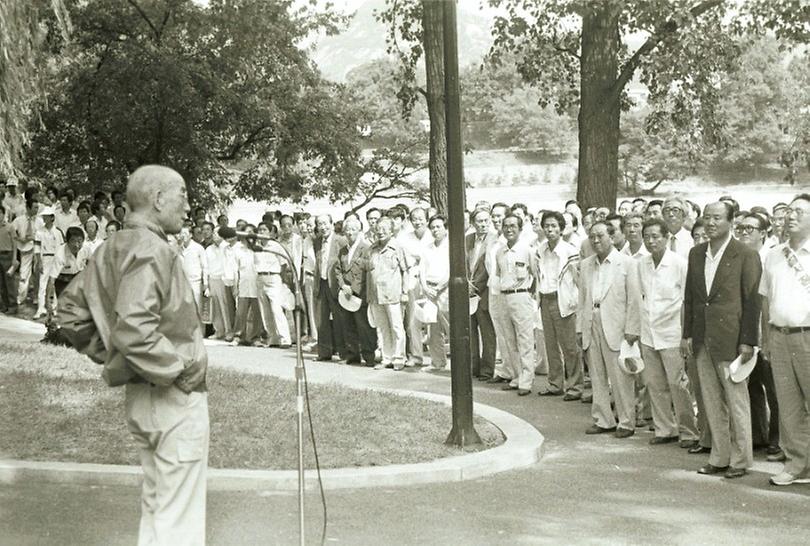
(47, 211)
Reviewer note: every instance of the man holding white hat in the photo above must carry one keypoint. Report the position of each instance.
(662, 276)
(47, 241)
(434, 276)
(361, 338)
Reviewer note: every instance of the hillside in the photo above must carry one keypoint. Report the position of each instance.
(364, 39)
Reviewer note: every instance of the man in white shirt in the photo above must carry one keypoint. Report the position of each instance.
(662, 278)
(223, 305)
(64, 216)
(785, 288)
(47, 241)
(70, 259)
(413, 243)
(497, 214)
(195, 265)
(634, 245)
(558, 272)
(434, 276)
(515, 268)
(13, 201)
(25, 228)
(675, 211)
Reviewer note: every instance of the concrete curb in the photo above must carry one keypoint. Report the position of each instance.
(523, 447)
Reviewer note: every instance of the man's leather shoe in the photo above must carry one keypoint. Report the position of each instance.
(624, 432)
(663, 440)
(710, 469)
(484, 377)
(586, 398)
(699, 449)
(569, 397)
(497, 379)
(732, 473)
(778, 457)
(688, 444)
(523, 392)
(549, 392)
(596, 429)
(509, 388)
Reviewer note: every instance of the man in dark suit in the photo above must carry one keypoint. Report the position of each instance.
(721, 321)
(483, 357)
(330, 329)
(361, 338)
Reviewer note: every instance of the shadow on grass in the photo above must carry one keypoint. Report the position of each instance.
(61, 412)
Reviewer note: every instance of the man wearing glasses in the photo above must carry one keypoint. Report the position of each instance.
(785, 288)
(674, 213)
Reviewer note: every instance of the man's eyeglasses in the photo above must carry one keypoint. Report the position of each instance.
(798, 212)
(748, 230)
(673, 210)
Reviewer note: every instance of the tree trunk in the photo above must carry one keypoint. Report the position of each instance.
(434, 93)
(599, 108)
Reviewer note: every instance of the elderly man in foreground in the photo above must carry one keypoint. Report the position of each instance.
(133, 309)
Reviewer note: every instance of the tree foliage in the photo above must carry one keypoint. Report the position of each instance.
(26, 30)
(224, 92)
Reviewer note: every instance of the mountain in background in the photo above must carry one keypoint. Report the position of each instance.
(364, 39)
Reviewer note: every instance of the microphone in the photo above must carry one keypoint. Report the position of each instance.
(280, 250)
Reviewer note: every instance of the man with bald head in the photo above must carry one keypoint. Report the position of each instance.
(133, 310)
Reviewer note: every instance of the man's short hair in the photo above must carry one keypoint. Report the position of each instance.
(762, 220)
(731, 201)
(283, 216)
(209, 224)
(385, 221)
(633, 215)
(779, 206)
(681, 201)
(571, 202)
(498, 204)
(353, 219)
(522, 207)
(574, 220)
(610, 229)
(476, 212)
(802, 197)
(553, 215)
(654, 202)
(639, 200)
(414, 211)
(396, 212)
(67, 194)
(697, 225)
(437, 217)
(83, 205)
(99, 195)
(74, 232)
(614, 216)
(513, 215)
(373, 209)
(655, 222)
(115, 223)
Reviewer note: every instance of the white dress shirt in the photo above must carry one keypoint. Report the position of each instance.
(24, 226)
(64, 220)
(216, 261)
(65, 262)
(642, 251)
(600, 272)
(713, 262)
(683, 243)
(788, 299)
(434, 264)
(48, 241)
(515, 265)
(325, 247)
(662, 290)
(551, 262)
(195, 263)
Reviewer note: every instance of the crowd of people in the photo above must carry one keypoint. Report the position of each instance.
(648, 312)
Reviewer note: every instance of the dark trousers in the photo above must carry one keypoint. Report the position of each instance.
(764, 406)
(330, 328)
(8, 284)
(361, 338)
(248, 319)
(482, 355)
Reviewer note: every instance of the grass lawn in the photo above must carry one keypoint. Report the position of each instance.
(56, 407)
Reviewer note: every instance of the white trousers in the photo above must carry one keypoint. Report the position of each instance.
(388, 319)
(171, 431)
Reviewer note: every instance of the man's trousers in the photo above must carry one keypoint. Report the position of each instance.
(607, 377)
(482, 353)
(516, 329)
(663, 375)
(171, 431)
(564, 364)
(728, 411)
(388, 319)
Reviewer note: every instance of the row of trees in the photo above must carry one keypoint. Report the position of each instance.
(227, 94)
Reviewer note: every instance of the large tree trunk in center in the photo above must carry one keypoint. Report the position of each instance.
(599, 108)
(434, 68)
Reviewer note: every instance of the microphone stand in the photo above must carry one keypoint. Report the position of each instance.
(299, 366)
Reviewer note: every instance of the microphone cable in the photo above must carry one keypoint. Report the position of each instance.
(315, 452)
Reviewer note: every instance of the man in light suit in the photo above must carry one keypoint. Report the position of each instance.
(721, 321)
(483, 353)
(330, 329)
(608, 312)
(361, 338)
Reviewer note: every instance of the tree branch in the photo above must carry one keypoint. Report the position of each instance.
(145, 17)
(668, 28)
(237, 147)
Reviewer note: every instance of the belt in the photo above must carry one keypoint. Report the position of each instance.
(267, 273)
(517, 291)
(44, 255)
(787, 330)
(549, 295)
(199, 387)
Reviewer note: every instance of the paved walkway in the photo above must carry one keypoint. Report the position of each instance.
(586, 490)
